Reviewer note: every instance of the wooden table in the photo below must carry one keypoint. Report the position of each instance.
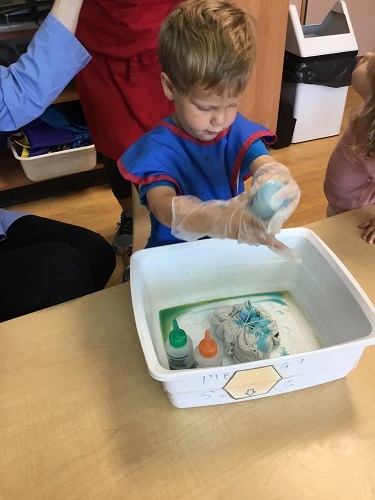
(80, 417)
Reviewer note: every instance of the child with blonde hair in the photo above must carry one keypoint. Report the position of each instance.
(350, 176)
(191, 167)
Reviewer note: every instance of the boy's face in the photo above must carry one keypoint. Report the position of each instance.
(360, 78)
(202, 113)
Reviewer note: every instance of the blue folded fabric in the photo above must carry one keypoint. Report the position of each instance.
(73, 120)
(43, 137)
(54, 130)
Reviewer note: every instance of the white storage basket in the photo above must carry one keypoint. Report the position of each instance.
(57, 164)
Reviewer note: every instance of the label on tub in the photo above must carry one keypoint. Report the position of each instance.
(253, 382)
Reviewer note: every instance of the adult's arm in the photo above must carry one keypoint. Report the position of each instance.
(53, 57)
(67, 12)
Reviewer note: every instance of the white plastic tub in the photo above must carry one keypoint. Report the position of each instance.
(58, 164)
(328, 315)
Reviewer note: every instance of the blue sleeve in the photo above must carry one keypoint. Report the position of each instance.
(257, 149)
(29, 85)
(145, 188)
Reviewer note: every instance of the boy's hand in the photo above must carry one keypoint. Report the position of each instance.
(369, 230)
(290, 191)
(193, 219)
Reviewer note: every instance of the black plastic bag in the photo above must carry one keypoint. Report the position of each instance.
(331, 70)
(285, 125)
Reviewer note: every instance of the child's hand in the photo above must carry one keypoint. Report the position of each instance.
(193, 219)
(369, 230)
(290, 191)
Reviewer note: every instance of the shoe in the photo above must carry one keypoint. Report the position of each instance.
(123, 238)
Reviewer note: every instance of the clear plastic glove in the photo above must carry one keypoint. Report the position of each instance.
(193, 219)
(290, 192)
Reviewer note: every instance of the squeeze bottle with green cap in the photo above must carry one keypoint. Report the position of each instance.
(179, 348)
(207, 352)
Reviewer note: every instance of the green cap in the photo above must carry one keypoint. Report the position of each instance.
(177, 337)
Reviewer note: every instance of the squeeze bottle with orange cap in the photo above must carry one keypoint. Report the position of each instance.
(207, 352)
(179, 348)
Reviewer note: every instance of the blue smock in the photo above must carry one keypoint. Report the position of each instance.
(210, 170)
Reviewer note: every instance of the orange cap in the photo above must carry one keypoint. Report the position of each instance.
(207, 346)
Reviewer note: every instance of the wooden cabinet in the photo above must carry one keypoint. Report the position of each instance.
(260, 102)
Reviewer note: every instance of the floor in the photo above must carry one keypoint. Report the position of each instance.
(97, 209)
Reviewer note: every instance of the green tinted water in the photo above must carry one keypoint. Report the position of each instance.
(296, 331)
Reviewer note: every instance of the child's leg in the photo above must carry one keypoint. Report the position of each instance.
(122, 190)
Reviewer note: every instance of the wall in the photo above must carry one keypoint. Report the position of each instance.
(361, 13)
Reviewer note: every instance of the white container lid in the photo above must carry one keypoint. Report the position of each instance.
(334, 35)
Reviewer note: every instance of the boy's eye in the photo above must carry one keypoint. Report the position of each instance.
(203, 109)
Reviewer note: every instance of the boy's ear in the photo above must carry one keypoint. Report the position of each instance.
(167, 86)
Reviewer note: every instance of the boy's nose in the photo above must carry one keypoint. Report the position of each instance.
(218, 118)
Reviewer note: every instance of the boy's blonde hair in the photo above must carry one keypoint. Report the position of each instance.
(209, 44)
(363, 121)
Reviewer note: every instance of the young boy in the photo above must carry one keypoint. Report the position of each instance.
(190, 168)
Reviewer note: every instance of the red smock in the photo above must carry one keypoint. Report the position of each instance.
(120, 89)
